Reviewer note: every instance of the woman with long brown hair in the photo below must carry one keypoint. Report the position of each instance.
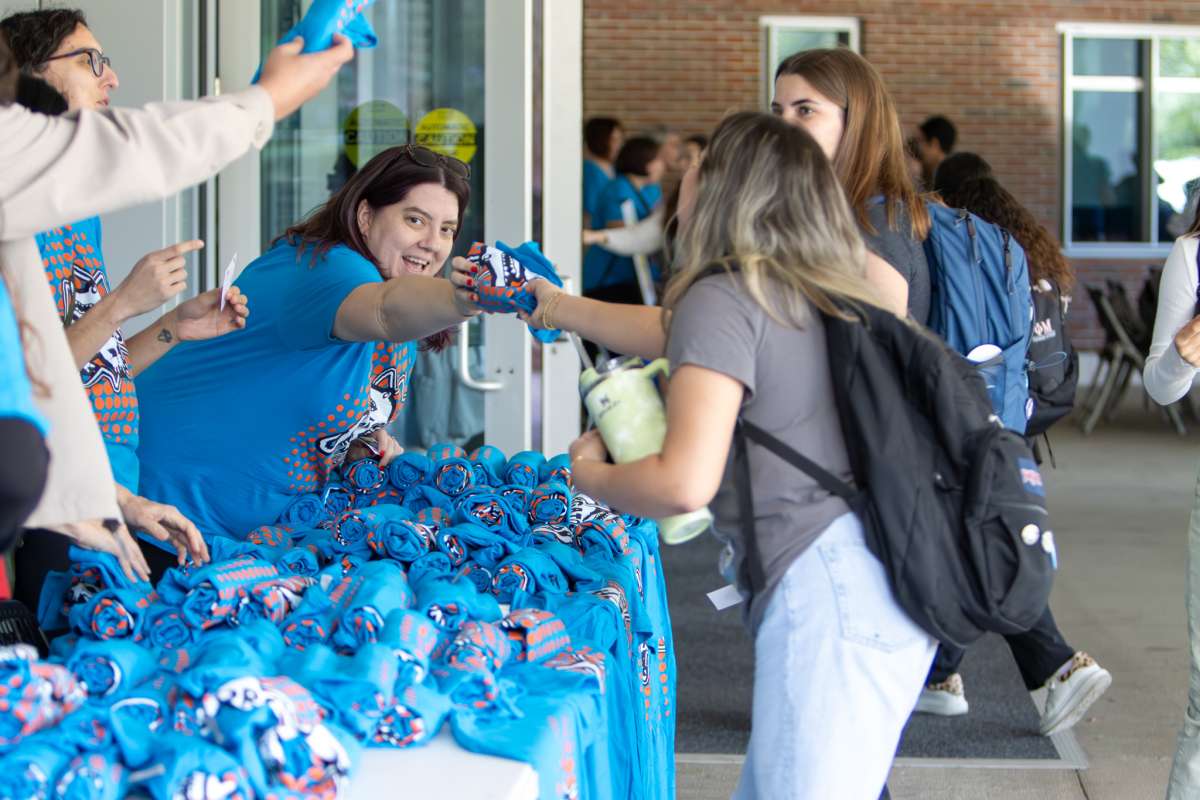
(839, 98)
(1170, 370)
(234, 428)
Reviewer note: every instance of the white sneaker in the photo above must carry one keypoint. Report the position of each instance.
(946, 699)
(1071, 692)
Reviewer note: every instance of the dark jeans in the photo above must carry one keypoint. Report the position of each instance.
(42, 551)
(22, 476)
(1039, 652)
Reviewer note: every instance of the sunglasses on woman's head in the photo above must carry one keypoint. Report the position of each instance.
(427, 158)
(96, 59)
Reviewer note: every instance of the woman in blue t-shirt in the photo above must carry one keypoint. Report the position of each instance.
(602, 138)
(234, 428)
(606, 275)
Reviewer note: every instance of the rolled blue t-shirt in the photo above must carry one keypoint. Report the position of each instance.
(16, 390)
(234, 428)
(602, 267)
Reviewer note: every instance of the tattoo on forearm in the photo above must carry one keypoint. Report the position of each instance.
(165, 336)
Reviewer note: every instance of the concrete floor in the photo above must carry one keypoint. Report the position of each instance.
(1120, 501)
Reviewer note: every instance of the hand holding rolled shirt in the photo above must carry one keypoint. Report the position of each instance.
(502, 280)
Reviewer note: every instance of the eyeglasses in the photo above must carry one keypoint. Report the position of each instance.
(427, 158)
(97, 59)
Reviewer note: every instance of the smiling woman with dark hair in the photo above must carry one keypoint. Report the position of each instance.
(234, 428)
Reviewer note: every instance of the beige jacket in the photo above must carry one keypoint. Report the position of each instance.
(55, 170)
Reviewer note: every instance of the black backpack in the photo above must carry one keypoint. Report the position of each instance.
(952, 502)
(1052, 363)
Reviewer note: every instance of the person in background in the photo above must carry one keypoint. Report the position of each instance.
(935, 141)
(602, 139)
(839, 98)
(912, 159)
(960, 168)
(639, 167)
(671, 150)
(656, 232)
(1072, 679)
(1170, 370)
(693, 148)
(342, 299)
(53, 170)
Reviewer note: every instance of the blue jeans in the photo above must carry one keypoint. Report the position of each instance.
(1185, 772)
(839, 667)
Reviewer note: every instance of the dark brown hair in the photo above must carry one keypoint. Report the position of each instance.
(36, 95)
(35, 35)
(959, 168)
(941, 130)
(986, 198)
(597, 135)
(636, 155)
(383, 181)
(870, 158)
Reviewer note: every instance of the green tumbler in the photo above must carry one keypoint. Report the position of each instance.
(625, 404)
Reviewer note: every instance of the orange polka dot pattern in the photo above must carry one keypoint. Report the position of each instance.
(319, 449)
(74, 266)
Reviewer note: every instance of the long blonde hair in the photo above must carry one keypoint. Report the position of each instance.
(769, 204)
(870, 158)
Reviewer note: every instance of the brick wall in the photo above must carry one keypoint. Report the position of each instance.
(993, 66)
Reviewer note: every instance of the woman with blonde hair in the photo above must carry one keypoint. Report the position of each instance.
(839, 98)
(839, 664)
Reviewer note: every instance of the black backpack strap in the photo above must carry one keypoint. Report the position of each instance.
(745, 493)
(826, 479)
(745, 488)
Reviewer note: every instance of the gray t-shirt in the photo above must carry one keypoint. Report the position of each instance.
(898, 247)
(718, 325)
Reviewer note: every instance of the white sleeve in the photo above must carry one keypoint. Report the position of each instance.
(55, 170)
(1168, 377)
(642, 239)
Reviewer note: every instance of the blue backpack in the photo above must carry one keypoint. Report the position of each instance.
(981, 296)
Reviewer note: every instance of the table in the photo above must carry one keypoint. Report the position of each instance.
(441, 770)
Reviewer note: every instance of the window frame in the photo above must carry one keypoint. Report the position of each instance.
(1151, 35)
(773, 23)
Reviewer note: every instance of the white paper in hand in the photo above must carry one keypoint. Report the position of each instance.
(227, 279)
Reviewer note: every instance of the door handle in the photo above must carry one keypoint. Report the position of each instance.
(464, 363)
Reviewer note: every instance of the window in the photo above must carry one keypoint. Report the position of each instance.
(426, 87)
(785, 36)
(1131, 136)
